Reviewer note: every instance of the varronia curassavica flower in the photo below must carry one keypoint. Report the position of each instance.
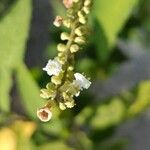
(66, 84)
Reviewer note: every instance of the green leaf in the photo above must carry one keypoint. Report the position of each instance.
(142, 101)
(112, 16)
(29, 91)
(109, 114)
(14, 29)
(55, 146)
(5, 86)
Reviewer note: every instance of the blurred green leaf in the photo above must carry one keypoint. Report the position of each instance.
(142, 101)
(112, 16)
(57, 145)
(112, 144)
(5, 85)
(83, 115)
(14, 29)
(108, 114)
(86, 65)
(107, 21)
(29, 91)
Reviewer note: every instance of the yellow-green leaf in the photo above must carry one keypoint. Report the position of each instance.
(29, 91)
(112, 16)
(142, 101)
(5, 85)
(14, 29)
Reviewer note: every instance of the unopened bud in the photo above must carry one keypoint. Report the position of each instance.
(64, 36)
(80, 14)
(86, 10)
(70, 68)
(67, 23)
(87, 2)
(58, 21)
(78, 32)
(44, 94)
(56, 80)
(70, 104)
(74, 48)
(61, 47)
(80, 40)
(82, 20)
(62, 106)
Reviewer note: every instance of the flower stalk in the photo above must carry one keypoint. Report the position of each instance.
(65, 83)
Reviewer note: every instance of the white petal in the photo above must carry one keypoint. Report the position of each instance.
(81, 81)
(53, 67)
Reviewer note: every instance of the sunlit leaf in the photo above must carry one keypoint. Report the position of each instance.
(5, 86)
(108, 114)
(29, 91)
(55, 146)
(14, 29)
(112, 16)
(142, 101)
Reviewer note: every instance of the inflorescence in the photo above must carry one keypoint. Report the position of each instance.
(65, 83)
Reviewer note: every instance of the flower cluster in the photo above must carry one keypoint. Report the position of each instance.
(65, 84)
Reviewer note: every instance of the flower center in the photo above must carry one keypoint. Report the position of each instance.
(44, 114)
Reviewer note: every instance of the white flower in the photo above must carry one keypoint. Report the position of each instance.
(44, 114)
(81, 81)
(53, 67)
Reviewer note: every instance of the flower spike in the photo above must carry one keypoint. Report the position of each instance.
(66, 84)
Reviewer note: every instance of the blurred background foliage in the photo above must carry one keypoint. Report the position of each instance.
(117, 59)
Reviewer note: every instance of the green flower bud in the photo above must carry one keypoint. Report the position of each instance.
(60, 54)
(61, 47)
(70, 104)
(62, 106)
(74, 48)
(80, 40)
(70, 68)
(68, 100)
(82, 20)
(80, 14)
(87, 2)
(56, 80)
(86, 10)
(67, 23)
(62, 60)
(51, 86)
(78, 32)
(65, 36)
(47, 93)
